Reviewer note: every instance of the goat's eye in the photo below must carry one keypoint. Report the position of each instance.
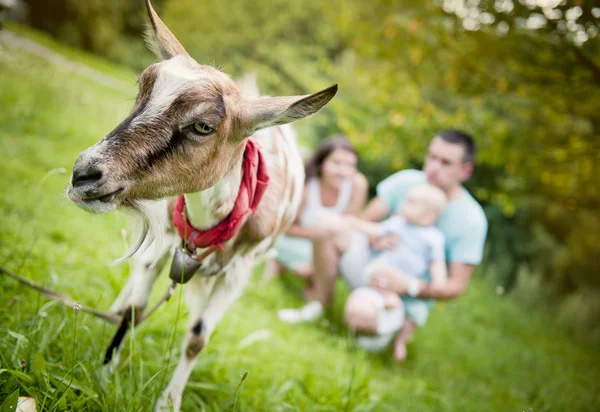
(203, 129)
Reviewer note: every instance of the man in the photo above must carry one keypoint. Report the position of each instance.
(449, 163)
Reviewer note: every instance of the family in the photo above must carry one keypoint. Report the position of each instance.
(418, 240)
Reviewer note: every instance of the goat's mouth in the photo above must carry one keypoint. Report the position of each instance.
(96, 202)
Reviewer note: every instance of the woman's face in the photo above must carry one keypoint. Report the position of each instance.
(338, 166)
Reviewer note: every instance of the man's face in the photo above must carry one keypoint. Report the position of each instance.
(444, 165)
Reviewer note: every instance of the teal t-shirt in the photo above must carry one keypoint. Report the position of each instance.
(463, 222)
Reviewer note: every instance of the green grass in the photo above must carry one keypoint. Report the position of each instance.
(480, 353)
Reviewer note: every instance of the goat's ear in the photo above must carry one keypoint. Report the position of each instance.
(159, 37)
(271, 111)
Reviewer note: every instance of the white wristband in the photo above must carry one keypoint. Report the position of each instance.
(413, 288)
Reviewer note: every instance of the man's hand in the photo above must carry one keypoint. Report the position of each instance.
(385, 242)
(389, 279)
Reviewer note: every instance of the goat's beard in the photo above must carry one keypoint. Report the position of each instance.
(149, 220)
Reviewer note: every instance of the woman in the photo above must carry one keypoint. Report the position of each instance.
(333, 185)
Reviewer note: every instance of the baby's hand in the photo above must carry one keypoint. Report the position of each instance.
(390, 299)
(385, 242)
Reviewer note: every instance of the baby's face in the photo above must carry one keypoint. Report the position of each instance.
(417, 211)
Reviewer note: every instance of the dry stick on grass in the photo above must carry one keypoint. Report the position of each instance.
(67, 301)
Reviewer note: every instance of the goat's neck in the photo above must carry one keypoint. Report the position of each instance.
(207, 208)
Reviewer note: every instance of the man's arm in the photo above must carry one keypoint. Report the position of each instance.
(468, 248)
(460, 274)
(392, 279)
(458, 279)
(437, 264)
(464, 255)
(439, 272)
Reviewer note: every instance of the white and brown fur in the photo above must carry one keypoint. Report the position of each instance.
(154, 155)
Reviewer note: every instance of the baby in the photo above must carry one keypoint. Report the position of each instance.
(418, 254)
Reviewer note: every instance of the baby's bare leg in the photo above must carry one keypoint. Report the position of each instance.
(402, 338)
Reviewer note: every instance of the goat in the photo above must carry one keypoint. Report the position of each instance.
(188, 133)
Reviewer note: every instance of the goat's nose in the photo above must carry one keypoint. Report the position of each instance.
(86, 174)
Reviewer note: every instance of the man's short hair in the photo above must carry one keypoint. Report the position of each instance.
(461, 138)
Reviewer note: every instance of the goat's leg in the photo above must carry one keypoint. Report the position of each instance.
(226, 290)
(197, 293)
(146, 265)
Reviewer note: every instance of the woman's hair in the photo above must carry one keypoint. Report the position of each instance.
(314, 164)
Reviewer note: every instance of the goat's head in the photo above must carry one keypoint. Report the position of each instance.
(188, 124)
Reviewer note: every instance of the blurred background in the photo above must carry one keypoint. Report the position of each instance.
(522, 76)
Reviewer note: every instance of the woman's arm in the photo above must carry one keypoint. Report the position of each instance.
(372, 230)
(375, 211)
(360, 189)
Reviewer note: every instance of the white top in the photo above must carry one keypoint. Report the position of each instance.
(314, 208)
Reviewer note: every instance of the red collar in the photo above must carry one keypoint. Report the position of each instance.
(255, 179)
